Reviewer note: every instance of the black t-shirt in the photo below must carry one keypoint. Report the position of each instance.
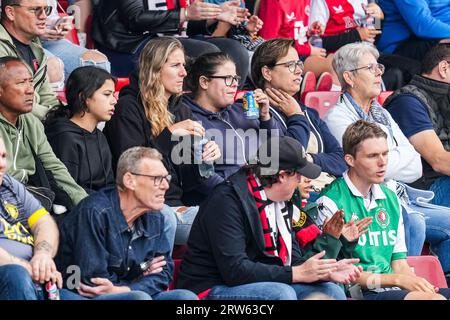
(26, 54)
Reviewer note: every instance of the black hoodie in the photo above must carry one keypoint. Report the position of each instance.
(129, 127)
(85, 154)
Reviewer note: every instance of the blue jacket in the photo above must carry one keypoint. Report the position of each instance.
(96, 237)
(428, 19)
(330, 156)
(238, 138)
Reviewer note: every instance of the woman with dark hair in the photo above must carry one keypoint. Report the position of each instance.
(150, 114)
(213, 81)
(276, 67)
(72, 130)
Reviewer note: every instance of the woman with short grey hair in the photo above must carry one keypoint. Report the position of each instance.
(360, 75)
(348, 57)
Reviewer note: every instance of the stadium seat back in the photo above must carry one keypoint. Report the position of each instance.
(322, 101)
(428, 267)
(176, 269)
(383, 96)
(122, 82)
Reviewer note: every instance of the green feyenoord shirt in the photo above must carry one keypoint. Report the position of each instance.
(385, 240)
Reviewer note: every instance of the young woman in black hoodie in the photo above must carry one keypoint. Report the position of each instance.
(72, 130)
(150, 114)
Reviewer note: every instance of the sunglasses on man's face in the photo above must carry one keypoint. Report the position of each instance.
(37, 10)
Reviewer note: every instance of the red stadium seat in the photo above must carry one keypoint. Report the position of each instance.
(176, 269)
(122, 82)
(383, 96)
(322, 101)
(428, 267)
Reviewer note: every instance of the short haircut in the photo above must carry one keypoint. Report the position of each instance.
(205, 65)
(268, 54)
(435, 55)
(130, 161)
(358, 132)
(347, 58)
(6, 3)
(3, 62)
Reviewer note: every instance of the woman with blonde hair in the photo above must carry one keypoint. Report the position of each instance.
(150, 113)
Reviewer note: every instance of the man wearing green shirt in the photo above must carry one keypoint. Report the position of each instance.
(360, 194)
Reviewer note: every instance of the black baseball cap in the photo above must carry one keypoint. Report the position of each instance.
(291, 155)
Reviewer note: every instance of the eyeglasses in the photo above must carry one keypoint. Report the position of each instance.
(291, 65)
(36, 10)
(156, 179)
(373, 67)
(228, 79)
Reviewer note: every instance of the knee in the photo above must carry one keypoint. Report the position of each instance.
(94, 55)
(55, 69)
(15, 276)
(139, 295)
(281, 291)
(333, 291)
(182, 294)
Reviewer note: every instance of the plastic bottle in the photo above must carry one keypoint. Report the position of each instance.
(315, 40)
(205, 168)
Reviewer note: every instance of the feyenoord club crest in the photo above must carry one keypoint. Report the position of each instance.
(382, 218)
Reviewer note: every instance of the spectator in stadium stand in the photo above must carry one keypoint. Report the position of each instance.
(26, 145)
(22, 23)
(213, 81)
(290, 19)
(72, 129)
(28, 241)
(72, 55)
(360, 76)
(242, 245)
(412, 27)
(344, 23)
(360, 193)
(150, 113)
(276, 68)
(421, 111)
(115, 235)
(121, 29)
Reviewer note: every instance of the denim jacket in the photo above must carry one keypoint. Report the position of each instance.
(96, 237)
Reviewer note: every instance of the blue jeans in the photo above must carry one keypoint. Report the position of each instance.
(437, 220)
(184, 224)
(70, 54)
(441, 189)
(16, 284)
(414, 223)
(170, 225)
(133, 295)
(275, 291)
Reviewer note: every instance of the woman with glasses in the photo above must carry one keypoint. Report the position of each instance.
(213, 82)
(72, 129)
(360, 77)
(149, 113)
(276, 68)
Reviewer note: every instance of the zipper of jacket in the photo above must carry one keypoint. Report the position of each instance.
(319, 138)
(239, 137)
(16, 153)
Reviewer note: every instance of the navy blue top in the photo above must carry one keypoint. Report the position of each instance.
(96, 237)
(412, 120)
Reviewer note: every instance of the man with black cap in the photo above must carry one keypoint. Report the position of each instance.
(242, 245)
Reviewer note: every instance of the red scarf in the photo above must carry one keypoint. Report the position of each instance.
(274, 243)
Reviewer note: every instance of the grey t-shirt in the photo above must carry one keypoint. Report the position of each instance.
(19, 211)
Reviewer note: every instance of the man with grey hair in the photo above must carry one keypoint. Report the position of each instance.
(116, 236)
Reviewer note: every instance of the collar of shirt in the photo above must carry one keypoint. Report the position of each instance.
(375, 192)
(119, 219)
